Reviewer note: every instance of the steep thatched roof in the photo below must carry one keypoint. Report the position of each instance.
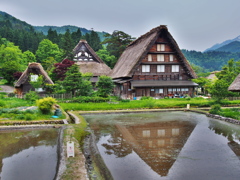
(235, 86)
(97, 69)
(83, 46)
(88, 60)
(138, 49)
(34, 68)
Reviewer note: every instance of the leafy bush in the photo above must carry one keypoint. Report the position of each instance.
(45, 105)
(32, 96)
(215, 109)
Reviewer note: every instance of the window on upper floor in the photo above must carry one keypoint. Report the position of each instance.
(171, 57)
(160, 57)
(149, 57)
(145, 68)
(160, 68)
(175, 68)
(160, 47)
(146, 133)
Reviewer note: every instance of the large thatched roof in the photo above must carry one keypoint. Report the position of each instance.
(235, 86)
(88, 60)
(34, 68)
(138, 49)
(97, 69)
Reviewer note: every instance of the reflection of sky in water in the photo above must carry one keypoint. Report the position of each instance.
(28, 154)
(36, 163)
(173, 145)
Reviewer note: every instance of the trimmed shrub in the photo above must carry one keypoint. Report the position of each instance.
(45, 105)
(215, 109)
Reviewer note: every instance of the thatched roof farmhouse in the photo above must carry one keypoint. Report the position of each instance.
(153, 65)
(235, 86)
(88, 61)
(23, 86)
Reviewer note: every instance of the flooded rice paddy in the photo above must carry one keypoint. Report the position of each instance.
(167, 145)
(28, 154)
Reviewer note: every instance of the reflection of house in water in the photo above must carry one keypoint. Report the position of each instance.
(235, 148)
(159, 143)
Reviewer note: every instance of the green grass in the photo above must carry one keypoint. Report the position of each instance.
(230, 112)
(142, 104)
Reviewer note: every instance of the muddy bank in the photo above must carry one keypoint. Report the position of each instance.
(95, 165)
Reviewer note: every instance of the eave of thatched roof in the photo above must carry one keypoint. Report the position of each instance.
(235, 86)
(137, 50)
(97, 69)
(88, 49)
(37, 67)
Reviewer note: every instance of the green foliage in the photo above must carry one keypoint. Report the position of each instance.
(2, 103)
(38, 83)
(117, 42)
(215, 109)
(146, 97)
(110, 60)
(211, 60)
(32, 96)
(75, 83)
(45, 105)
(219, 89)
(28, 57)
(47, 51)
(10, 61)
(105, 86)
(87, 99)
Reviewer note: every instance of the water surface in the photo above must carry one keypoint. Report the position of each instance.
(167, 145)
(28, 154)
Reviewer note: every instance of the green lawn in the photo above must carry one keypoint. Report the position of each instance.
(144, 104)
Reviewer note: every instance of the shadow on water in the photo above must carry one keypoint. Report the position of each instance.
(28, 154)
(176, 145)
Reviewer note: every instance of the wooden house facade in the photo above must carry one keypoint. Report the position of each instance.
(153, 65)
(33, 71)
(89, 61)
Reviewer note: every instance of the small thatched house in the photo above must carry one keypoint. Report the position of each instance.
(235, 86)
(153, 65)
(88, 61)
(32, 72)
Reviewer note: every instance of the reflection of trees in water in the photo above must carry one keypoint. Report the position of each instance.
(231, 133)
(227, 131)
(16, 141)
(117, 145)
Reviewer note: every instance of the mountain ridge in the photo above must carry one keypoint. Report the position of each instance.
(219, 45)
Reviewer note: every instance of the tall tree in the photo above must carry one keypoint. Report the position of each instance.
(48, 51)
(105, 86)
(67, 44)
(117, 42)
(76, 36)
(219, 90)
(110, 60)
(75, 83)
(10, 61)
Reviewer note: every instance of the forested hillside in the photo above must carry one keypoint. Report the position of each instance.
(210, 61)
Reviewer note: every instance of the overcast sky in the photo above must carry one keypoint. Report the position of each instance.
(194, 24)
